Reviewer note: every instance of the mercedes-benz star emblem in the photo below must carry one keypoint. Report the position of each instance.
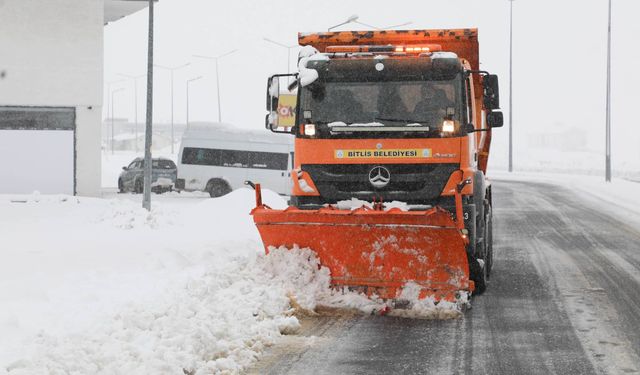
(379, 177)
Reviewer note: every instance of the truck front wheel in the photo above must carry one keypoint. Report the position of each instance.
(480, 262)
(489, 241)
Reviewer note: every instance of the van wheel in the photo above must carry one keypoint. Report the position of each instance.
(217, 188)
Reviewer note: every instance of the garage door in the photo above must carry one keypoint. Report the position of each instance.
(37, 150)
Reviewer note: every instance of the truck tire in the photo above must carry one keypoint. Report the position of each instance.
(489, 240)
(217, 188)
(477, 272)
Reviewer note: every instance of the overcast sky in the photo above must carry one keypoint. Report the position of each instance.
(559, 57)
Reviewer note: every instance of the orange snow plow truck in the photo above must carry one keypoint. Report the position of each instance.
(392, 133)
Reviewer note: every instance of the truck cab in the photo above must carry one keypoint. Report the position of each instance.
(385, 116)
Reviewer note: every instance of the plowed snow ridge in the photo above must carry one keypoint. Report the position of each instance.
(105, 287)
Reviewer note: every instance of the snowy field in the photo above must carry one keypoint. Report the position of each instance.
(101, 286)
(93, 285)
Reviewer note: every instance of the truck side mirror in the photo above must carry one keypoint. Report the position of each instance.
(495, 119)
(281, 105)
(273, 92)
(491, 91)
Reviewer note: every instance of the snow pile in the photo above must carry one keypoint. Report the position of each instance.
(120, 214)
(306, 75)
(354, 203)
(219, 322)
(427, 308)
(308, 284)
(106, 287)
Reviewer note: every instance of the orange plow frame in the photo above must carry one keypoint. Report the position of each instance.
(373, 250)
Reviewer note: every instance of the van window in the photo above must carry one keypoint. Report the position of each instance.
(235, 158)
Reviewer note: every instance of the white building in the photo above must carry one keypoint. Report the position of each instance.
(51, 72)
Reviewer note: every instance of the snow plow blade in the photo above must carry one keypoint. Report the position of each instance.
(376, 251)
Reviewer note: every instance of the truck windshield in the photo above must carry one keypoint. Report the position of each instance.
(357, 109)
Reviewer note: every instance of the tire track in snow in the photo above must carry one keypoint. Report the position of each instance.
(544, 311)
(570, 258)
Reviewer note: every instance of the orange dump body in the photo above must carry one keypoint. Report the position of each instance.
(376, 251)
(464, 42)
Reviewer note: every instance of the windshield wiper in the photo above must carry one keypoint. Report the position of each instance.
(400, 120)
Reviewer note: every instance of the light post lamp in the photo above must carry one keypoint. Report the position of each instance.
(135, 102)
(354, 19)
(188, 83)
(608, 120)
(216, 58)
(112, 111)
(171, 70)
(511, 85)
(288, 51)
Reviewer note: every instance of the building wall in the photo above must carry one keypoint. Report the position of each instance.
(52, 54)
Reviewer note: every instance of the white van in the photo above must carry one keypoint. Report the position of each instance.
(219, 158)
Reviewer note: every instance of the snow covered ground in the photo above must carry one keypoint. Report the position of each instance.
(101, 286)
(94, 285)
(618, 198)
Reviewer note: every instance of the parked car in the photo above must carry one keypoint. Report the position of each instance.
(163, 176)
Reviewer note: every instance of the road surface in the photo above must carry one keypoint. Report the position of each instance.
(564, 298)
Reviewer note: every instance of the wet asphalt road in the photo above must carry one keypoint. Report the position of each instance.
(564, 298)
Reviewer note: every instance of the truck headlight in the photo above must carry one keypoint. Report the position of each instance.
(310, 130)
(448, 126)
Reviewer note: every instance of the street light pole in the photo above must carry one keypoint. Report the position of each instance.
(108, 107)
(146, 200)
(188, 83)
(135, 103)
(511, 85)
(216, 58)
(288, 51)
(353, 18)
(608, 120)
(171, 70)
(112, 114)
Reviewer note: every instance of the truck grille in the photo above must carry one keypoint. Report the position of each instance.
(416, 183)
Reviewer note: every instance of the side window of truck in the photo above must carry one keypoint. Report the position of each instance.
(469, 101)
